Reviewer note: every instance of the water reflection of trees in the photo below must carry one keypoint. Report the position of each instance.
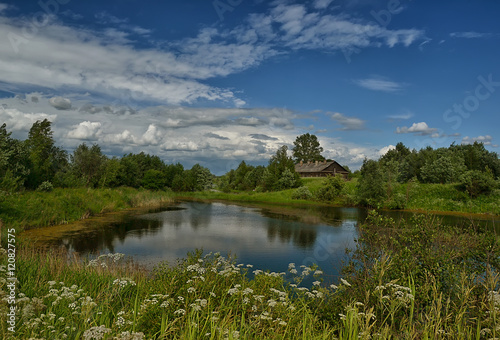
(333, 216)
(301, 235)
(299, 225)
(199, 215)
(99, 238)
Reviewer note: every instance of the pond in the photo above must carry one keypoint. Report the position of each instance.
(267, 237)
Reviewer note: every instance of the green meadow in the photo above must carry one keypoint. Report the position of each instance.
(422, 280)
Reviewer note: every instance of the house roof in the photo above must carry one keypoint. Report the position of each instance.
(315, 167)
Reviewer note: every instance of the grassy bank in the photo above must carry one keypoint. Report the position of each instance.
(40, 209)
(273, 197)
(409, 196)
(418, 281)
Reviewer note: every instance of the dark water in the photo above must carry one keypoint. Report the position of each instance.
(266, 237)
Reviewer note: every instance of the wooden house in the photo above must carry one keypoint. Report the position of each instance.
(320, 169)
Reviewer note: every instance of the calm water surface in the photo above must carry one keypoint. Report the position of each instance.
(266, 237)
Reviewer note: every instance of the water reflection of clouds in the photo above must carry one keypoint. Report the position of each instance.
(265, 238)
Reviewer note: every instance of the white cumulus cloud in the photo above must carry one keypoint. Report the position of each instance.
(418, 128)
(85, 130)
(60, 103)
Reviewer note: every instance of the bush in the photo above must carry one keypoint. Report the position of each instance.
(476, 183)
(398, 201)
(259, 189)
(332, 188)
(287, 180)
(302, 193)
(45, 186)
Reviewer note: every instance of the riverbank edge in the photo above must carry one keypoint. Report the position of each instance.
(243, 198)
(30, 210)
(20, 210)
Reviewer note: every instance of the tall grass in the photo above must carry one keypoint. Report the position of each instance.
(40, 209)
(418, 281)
(202, 297)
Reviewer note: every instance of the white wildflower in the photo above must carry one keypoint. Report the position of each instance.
(345, 283)
(247, 291)
(272, 303)
(195, 306)
(96, 333)
(180, 312)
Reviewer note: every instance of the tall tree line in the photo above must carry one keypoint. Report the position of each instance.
(37, 163)
(473, 168)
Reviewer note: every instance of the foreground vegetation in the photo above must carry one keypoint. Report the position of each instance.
(60, 206)
(422, 280)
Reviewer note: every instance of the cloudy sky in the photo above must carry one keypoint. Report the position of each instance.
(217, 82)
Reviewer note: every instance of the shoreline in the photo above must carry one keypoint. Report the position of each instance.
(127, 199)
(299, 203)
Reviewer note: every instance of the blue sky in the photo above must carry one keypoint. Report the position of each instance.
(217, 82)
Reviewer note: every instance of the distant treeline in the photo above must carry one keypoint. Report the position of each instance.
(38, 164)
(474, 169)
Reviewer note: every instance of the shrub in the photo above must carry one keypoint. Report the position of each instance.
(287, 180)
(302, 193)
(398, 201)
(476, 183)
(332, 188)
(45, 186)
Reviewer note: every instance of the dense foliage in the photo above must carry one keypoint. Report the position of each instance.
(37, 163)
(307, 148)
(278, 175)
(415, 279)
(475, 171)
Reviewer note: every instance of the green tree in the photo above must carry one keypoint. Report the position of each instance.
(476, 183)
(287, 180)
(14, 162)
(277, 166)
(444, 169)
(45, 158)
(111, 173)
(203, 178)
(170, 171)
(307, 148)
(89, 164)
(253, 178)
(476, 157)
(130, 173)
(154, 180)
(371, 186)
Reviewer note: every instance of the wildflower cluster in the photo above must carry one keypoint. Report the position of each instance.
(394, 292)
(104, 261)
(123, 282)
